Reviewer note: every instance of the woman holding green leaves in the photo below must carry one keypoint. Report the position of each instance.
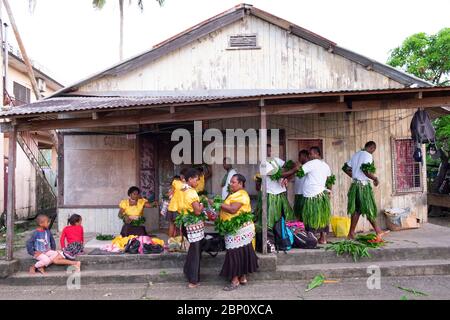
(236, 224)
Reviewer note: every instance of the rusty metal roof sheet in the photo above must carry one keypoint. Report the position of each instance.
(129, 99)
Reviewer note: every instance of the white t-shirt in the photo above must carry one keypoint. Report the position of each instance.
(316, 174)
(359, 158)
(231, 173)
(298, 185)
(275, 187)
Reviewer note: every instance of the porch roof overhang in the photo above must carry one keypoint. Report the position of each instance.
(99, 109)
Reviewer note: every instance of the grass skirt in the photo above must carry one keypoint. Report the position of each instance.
(276, 203)
(317, 212)
(361, 200)
(298, 206)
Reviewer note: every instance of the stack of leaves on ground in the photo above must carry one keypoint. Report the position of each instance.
(358, 248)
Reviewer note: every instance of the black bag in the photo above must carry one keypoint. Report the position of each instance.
(148, 248)
(304, 239)
(422, 130)
(213, 243)
(133, 246)
(270, 242)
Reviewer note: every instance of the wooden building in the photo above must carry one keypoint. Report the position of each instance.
(243, 68)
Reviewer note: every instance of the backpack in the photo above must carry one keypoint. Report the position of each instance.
(304, 239)
(213, 243)
(422, 130)
(283, 235)
(133, 246)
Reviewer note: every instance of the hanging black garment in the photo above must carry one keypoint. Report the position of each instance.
(422, 130)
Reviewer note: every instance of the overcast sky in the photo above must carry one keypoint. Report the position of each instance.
(72, 40)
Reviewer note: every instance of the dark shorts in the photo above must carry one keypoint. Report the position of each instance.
(171, 216)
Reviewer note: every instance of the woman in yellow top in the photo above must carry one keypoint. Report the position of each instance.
(132, 213)
(176, 202)
(240, 258)
(192, 205)
(203, 177)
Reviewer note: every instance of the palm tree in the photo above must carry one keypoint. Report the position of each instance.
(98, 4)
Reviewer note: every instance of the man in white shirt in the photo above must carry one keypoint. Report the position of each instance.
(230, 172)
(316, 207)
(361, 200)
(277, 201)
(303, 157)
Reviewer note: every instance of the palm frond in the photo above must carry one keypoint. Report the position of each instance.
(98, 4)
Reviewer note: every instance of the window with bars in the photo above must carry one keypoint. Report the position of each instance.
(21, 94)
(407, 173)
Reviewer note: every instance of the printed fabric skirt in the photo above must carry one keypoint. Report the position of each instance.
(277, 203)
(299, 200)
(240, 258)
(195, 235)
(317, 213)
(361, 200)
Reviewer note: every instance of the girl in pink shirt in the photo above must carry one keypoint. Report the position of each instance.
(73, 234)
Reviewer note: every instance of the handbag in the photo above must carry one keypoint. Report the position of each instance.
(149, 248)
(213, 243)
(132, 246)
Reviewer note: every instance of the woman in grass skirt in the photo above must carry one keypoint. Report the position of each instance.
(316, 208)
(240, 258)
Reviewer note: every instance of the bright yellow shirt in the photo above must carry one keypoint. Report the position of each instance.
(177, 198)
(137, 210)
(240, 196)
(201, 184)
(189, 197)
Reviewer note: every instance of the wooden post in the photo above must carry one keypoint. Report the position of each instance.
(263, 156)
(22, 51)
(11, 207)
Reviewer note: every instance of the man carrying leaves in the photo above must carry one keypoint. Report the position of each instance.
(361, 200)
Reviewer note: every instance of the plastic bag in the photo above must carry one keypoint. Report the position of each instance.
(340, 226)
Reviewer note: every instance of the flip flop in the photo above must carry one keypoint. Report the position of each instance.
(231, 287)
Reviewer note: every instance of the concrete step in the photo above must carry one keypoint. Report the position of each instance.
(149, 261)
(268, 262)
(320, 256)
(286, 272)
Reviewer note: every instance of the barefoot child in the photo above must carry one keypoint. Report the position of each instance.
(73, 234)
(42, 247)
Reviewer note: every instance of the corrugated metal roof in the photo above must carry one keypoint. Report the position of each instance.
(128, 99)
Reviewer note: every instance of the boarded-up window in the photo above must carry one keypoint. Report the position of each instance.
(407, 172)
(21, 94)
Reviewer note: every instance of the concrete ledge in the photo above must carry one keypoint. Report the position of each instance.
(7, 268)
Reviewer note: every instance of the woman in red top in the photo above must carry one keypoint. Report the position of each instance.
(73, 233)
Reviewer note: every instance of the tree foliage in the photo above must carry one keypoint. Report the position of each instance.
(425, 56)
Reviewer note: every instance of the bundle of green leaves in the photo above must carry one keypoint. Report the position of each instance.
(354, 248)
(300, 173)
(277, 175)
(369, 240)
(188, 218)
(331, 180)
(368, 167)
(104, 237)
(288, 165)
(217, 203)
(138, 222)
(234, 224)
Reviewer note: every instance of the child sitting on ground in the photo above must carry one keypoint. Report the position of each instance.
(74, 235)
(42, 247)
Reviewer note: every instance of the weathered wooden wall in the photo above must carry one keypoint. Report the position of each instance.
(342, 136)
(284, 61)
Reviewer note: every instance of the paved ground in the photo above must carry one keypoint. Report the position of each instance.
(436, 287)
